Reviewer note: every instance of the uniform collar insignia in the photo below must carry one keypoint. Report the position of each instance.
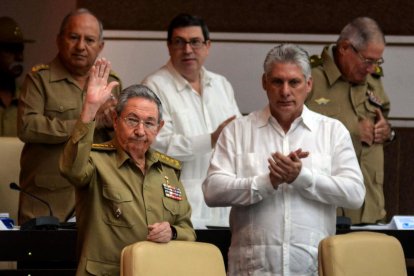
(373, 99)
(322, 100)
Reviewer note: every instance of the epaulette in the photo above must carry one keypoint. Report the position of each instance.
(172, 162)
(315, 61)
(39, 67)
(106, 146)
(378, 73)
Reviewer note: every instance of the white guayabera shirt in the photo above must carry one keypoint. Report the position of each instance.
(189, 121)
(277, 232)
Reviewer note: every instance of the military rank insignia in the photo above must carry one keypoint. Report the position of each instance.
(171, 191)
(117, 211)
(322, 101)
(373, 99)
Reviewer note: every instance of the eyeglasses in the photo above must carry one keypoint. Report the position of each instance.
(179, 43)
(134, 122)
(368, 61)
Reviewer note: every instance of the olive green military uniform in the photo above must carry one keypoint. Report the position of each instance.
(116, 202)
(335, 97)
(8, 118)
(50, 103)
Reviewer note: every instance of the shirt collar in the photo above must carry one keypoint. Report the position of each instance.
(58, 72)
(181, 83)
(331, 70)
(122, 156)
(306, 118)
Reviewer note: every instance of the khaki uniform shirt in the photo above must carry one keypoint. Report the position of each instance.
(8, 118)
(335, 97)
(116, 202)
(50, 103)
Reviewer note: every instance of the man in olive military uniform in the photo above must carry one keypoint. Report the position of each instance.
(11, 67)
(347, 86)
(51, 100)
(126, 191)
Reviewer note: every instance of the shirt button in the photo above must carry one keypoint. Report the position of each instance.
(61, 108)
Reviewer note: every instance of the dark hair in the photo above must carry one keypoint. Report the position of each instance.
(187, 20)
(138, 91)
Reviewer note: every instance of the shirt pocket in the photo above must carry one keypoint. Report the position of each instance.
(171, 209)
(118, 207)
(183, 120)
(51, 182)
(62, 109)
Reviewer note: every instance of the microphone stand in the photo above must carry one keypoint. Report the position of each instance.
(39, 223)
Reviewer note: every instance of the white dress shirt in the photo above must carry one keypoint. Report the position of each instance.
(277, 232)
(190, 118)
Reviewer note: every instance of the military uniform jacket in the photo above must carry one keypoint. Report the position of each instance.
(116, 202)
(50, 103)
(335, 97)
(8, 118)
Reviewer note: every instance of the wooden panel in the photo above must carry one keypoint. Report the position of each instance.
(265, 16)
(399, 174)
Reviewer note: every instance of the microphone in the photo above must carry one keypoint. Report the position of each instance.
(343, 222)
(40, 223)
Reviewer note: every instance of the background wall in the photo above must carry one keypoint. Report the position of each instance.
(242, 32)
(239, 57)
(264, 16)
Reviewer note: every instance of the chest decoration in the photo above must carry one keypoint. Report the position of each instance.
(117, 211)
(322, 101)
(171, 191)
(373, 99)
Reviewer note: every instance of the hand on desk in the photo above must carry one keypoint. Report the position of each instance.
(159, 232)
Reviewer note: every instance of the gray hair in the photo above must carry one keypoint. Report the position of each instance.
(138, 91)
(65, 21)
(361, 31)
(288, 53)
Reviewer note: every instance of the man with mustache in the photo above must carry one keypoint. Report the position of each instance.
(50, 103)
(126, 191)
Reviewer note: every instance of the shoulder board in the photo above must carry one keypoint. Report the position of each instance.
(39, 67)
(315, 61)
(172, 162)
(105, 147)
(378, 73)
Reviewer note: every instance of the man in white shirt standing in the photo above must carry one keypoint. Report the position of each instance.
(197, 105)
(284, 170)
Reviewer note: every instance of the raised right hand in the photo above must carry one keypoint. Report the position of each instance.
(99, 91)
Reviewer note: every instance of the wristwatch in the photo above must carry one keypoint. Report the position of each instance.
(174, 233)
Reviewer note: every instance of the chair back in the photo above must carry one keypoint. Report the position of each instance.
(175, 258)
(361, 253)
(10, 149)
